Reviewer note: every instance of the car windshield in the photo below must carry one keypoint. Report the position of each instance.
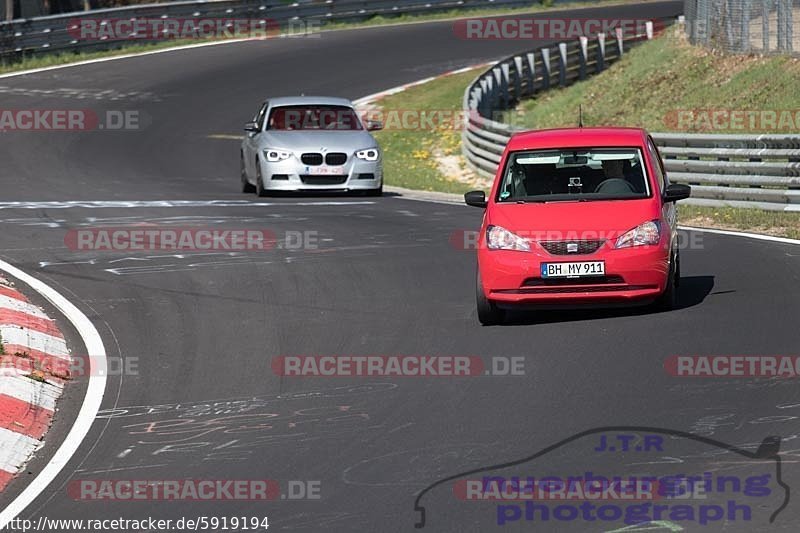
(313, 117)
(575, 174)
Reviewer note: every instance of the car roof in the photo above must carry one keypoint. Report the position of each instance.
(578, 138)
(309, 100)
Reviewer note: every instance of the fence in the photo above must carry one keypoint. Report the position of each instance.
(744, 26)
(24, 37)
(760, 171)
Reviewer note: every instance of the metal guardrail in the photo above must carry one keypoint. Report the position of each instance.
(25, 37)
(761, 171)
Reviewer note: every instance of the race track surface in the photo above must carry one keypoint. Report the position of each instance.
(384, 280)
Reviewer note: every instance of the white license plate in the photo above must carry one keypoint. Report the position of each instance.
(326, 171)
(573, 270)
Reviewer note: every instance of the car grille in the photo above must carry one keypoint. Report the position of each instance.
(311, 159)
(322, 180)
(561, 247)
(558, 282)
(336, 158)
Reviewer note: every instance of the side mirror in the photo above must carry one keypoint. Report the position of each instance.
(251, 127)
(476, 199)
(677, 191)
(374, 125)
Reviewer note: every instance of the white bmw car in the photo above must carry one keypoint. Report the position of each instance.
(310, 144)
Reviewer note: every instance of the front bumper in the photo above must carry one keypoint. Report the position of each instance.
(632, 276)
(292, 175)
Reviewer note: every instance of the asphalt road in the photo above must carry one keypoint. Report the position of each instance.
(385, 280)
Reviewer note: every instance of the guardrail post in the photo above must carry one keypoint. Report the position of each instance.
(648, 30)
(500, 98)
(546, 65)
(531, 73)
(562, 60)
(584, 41)
(779, 8)
(518, 77)
(601, 51)
(618, 32)
(505, 83)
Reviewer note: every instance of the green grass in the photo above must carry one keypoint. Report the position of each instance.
(753, 220)
(658, 79)
(408, 155)
(41, 61)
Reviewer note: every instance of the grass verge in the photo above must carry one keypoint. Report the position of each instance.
(50, 60)
(412, 158)
(659, 81)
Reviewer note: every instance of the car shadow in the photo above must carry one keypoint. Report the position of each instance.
(322, 194)
(693, 291)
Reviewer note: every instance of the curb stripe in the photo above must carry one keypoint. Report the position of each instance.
(22, 306)
(34, 340)
(22, 417)
(12, 293)
(36, 360)
(9, 317)
(15, 450)
(16, 385)
(5, 479)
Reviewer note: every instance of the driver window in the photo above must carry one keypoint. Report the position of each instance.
(657, 164)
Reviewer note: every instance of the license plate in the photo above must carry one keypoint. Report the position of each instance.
(326, 171)
(573, 270)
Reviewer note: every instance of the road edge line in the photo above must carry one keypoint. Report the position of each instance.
(91, 401)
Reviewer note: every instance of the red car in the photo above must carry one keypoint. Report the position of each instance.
(577, 217)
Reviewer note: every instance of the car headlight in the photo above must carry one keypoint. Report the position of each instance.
(498, 238)
(368, 154)
(273, 156)
(647, 233)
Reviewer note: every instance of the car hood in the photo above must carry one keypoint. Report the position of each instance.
(573, 220)
(315, 141)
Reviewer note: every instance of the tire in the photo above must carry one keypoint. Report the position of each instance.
(669, 298)
(246, 186)
(488, 313)
(260, 190)
(375, 192)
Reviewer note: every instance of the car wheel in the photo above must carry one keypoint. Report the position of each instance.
(260, 190)
(669, 298)
(246, 185)
(488, 313)
(375, 192)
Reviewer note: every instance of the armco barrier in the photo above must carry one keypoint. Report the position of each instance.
(26, 37)
(761, 171)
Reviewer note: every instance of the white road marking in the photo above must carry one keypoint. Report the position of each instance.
(122, 204)
(757, 236)
(91, 401)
